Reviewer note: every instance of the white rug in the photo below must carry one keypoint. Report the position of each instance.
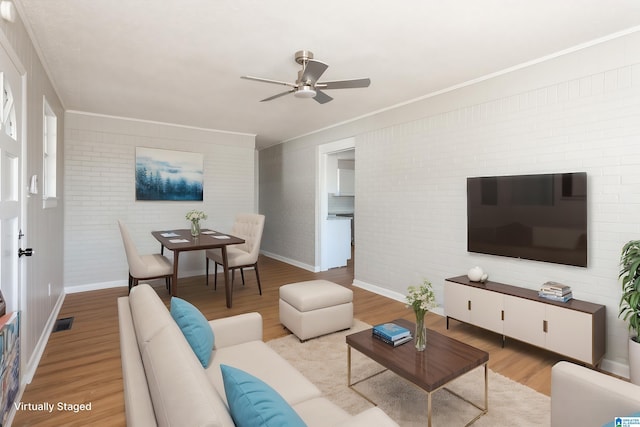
(324, 362)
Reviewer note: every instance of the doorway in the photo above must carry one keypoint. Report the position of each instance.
(334, 201)
(11, 193)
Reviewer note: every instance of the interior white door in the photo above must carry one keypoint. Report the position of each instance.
(10, 180)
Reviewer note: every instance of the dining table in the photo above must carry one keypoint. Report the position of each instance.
(181, 240)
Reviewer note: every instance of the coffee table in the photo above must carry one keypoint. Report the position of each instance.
(444, 360)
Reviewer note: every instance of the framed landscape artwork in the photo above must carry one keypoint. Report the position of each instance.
(168, 175)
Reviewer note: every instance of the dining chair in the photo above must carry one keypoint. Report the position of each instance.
(142, 267)
(248, 227)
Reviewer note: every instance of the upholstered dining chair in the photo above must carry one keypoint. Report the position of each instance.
(248, 227)
(142, 267)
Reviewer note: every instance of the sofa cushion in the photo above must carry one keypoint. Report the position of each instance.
(320, 412)
(254, 404)
(195, 327)
(260, 360)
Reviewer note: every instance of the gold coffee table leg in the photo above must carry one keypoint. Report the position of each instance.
(348, 366)
(351, 385)
(484, 409)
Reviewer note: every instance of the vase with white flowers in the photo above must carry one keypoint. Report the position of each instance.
(195, 216)
(421, 299)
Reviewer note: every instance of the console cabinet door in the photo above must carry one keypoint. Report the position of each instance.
(456, 301)
(570, 332)
(486, 309)
(472, 305)
(524, 320)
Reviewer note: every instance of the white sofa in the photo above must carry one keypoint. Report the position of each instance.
(583, 397)
(166, 385)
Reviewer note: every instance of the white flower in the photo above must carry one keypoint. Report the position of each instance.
(421, 298)
(195, 215)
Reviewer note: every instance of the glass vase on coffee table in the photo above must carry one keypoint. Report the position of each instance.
(421, 299)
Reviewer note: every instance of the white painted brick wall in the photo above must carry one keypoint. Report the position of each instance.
(287, 197)
(420, 168)
(100, 189)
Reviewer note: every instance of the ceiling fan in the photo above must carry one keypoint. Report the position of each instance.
(307, 84)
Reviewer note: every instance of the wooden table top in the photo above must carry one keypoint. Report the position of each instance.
(208, 239)
(444, 359)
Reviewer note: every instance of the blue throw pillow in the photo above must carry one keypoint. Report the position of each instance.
(195, 327)
(253, 403)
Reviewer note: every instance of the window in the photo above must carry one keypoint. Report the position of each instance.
(49, 154)
(8, 111)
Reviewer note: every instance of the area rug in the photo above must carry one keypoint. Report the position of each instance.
(324, 362)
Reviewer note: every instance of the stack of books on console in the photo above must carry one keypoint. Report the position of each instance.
(556, 292)
(392, 334)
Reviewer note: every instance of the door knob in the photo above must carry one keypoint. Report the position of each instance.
(25, 252)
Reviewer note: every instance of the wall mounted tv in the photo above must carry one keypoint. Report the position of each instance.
(536, 217)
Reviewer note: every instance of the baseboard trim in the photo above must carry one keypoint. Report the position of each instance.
(390, 294)
(32, 364)
(615, 368)
(291, 261)
(122, 283)
(379, 290)
(95, 286)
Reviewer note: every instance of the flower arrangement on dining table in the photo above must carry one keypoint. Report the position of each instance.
(421, 299)
(195, 216)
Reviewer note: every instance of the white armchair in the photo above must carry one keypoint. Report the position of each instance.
(583, 397)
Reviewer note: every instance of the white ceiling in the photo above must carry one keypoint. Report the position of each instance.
(181, 61)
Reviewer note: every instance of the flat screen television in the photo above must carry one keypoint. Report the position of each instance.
(537, 217)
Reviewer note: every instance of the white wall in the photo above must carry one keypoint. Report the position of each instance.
(100, 189)
(43, 227)
(287, 198)
(576, 112)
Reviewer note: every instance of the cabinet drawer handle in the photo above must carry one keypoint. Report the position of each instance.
(502, 315)
(469, 305)
(544, 326)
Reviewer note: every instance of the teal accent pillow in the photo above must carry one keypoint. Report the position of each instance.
(195, 328)
(253, 403)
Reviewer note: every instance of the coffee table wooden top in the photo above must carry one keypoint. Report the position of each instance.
(442, 361)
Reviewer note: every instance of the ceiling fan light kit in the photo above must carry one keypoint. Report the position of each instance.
(305, 92)
(307, 84)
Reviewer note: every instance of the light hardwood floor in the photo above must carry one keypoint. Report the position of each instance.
(82, 365)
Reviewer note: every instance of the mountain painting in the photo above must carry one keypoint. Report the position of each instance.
(168, 175)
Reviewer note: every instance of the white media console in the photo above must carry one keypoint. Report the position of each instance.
(575, 329)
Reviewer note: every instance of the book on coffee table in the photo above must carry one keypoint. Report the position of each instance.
(391, 331)
(395, 343)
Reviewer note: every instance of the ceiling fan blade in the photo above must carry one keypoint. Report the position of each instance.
(313, 70)
(322, 97)
(344, 84)
(278, 95)
(260, 79)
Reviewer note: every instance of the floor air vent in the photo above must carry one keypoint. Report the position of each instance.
(63, 324)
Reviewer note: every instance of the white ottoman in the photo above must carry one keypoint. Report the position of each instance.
(316, 307)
